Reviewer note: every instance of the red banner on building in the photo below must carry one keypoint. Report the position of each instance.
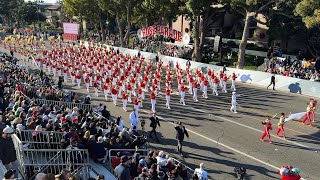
(70, 37)
(161, 30)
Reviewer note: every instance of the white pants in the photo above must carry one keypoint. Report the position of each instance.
(153, 105)
(168, 101)
(59, 73)
(65, 77)
(87, 86)
(44, 66)
(72, 80)
(79, 81)
(195, 90)
(54, 72)
(114, 98)
(221, 83)
(224, 86)
(183, 94)
(136, 107)
(233, 106)
(106, 92)
(190, 87)
(49, 70)
(90, 78)
(233, 85)
(96, 91)
(205, 91)
(129, 96)
(215, 89)
(124, 103)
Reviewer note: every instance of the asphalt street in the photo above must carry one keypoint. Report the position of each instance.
(223, 140)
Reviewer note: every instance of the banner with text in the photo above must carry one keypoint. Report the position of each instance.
(161, 30)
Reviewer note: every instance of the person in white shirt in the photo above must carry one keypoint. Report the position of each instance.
(201, 173)
(234, 102)
(134, 121)
(161, 160)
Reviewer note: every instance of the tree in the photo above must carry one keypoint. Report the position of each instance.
(27, 12)
(7, 9)
(309, 10)
(125, 12)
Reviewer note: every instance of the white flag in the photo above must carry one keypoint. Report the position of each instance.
(295, 116)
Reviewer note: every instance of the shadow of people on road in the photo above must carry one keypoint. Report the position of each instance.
(295, 88)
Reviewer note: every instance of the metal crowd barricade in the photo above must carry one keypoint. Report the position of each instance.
(189, 170)
(69, 105)
(33, 161)
(40, 139)
(128, 152)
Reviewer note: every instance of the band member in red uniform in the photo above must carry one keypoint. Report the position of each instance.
(73, 77)
(106, 90)
(95, 86)
(267, 126)
(136, 103)
(224, 83)
(124, 100)
(114, 94)
(221, 78)
(78, 77)
(280, 126)
(313, 110)
(308, 115)
(90, 74)
(233, 81)
(153, 101)
(195, 90)
(168, 92)
(182, 93)
(205, 88)
(87, 81)
(129, 91)
(215, 85)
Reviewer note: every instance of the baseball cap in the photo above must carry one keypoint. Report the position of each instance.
(8, 130)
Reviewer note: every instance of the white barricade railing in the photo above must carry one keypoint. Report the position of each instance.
(33, 161)
(69, 105)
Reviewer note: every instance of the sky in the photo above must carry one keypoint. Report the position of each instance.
(50, 1)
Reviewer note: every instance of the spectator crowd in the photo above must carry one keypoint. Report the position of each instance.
(81, 128)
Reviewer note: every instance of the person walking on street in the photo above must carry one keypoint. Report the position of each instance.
(273, 81)
(8, 155)
(280, 126)
(267, 126)
(181, 131)
(153, 124)
(122, 171)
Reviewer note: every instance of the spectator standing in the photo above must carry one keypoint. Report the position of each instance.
(122, 171)
(201, 173)
(151, 159)
(7, 151)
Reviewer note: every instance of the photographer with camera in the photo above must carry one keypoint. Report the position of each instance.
(153, 124)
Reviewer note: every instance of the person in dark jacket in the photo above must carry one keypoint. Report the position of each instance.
(8, 155)
(181, 131)
(105, 113)
(154, 122)
(122, 171)
(273, 81)
(151, 159)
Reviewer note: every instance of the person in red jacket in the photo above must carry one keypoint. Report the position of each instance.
(168, 92)
(182, 93)
(215, 85)
(114, 94)
(195, 90)
(267, 126)
(153, 101)
(106, 90)
(233, 81)
(205, 88)
(313, 109)
(224, 83)
(86, 81)
(78, 77)
(124, 100)
(73, 77)
(129, 91)
(95, 86)
(136, 103)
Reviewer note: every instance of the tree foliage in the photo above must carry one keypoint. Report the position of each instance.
(309, 10)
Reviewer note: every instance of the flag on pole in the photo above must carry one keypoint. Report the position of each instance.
(295, 116)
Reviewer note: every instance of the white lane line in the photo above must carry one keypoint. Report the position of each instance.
(258, 130)
(228, 147)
